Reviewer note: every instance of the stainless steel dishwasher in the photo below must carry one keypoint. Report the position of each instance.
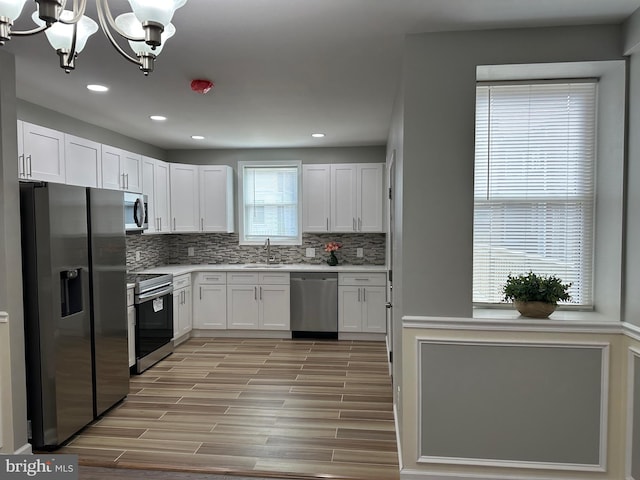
(314, 305)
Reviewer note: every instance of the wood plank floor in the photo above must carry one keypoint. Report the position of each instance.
(271, 408)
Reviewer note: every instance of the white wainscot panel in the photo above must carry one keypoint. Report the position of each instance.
(513, 404)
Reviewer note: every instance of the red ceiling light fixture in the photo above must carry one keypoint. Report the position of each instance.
(201, 86)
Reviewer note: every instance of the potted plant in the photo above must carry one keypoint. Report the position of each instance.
(534, 295)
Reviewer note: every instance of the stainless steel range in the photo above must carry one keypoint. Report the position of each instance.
(154, 318)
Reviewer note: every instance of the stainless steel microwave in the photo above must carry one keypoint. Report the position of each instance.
(135, 212)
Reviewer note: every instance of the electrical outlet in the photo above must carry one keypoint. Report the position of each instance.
(190, 251)
(311, 252)
(137, 255)
(359, 252)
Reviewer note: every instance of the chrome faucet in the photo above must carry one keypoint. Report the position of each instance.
(267, 247)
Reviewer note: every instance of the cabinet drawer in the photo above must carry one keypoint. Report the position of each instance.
(358, 279)
(242, 278)
(274, 278)
(129, 296)
(181, 281)
(211, 278)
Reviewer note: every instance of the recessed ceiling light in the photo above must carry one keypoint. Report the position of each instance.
(158, 118)
(98, 88)
(317, 135)
(197, 137)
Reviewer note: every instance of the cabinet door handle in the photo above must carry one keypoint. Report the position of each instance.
(364, 294)
(354, 224)
(260, 293)
(327, 224)
(122, 175)
(200, 293)
(202, 224)
(127, 181)
(174, 223)
(160, 223)
(29, 166)
(358, 294)
(255, 293)
(21, 165)
(359, 224)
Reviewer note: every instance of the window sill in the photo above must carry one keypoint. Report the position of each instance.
(560, 315)
(510, 321)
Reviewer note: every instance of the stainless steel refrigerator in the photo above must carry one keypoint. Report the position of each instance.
(74, 268)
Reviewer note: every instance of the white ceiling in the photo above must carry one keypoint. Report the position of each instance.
(283, 69)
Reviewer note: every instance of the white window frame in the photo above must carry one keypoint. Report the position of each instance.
(590, 301)
(274, 240)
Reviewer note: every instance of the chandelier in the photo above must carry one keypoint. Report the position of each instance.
(146, 29)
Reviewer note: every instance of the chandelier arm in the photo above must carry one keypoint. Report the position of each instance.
(72, 52)
(108, 34)
(25, 33)
(78, 12)
(103, 7)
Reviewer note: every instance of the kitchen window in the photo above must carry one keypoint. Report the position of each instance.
(269, 194)
(534, 189)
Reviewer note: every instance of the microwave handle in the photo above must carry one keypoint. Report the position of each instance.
(138, 206)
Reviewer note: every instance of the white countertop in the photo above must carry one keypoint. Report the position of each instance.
(181, 269)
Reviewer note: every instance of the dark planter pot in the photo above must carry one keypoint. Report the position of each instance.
(535, 309)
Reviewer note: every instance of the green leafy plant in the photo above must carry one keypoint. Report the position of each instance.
(535, 288)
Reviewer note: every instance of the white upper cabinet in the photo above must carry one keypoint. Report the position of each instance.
(184, 198)
(121, 170)
(357, 197)
(83, 159)
(162, 188)
(155, 184)
(343, 198)
(40, 153)
(316, 198)
(148, 189)
(370, 197)
(216, 198)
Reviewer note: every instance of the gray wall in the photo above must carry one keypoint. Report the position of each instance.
(38, 115)
(439, 102)
(12, 367)
(632, 274)
(526, 403)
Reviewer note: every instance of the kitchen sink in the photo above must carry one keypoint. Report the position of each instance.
(262, 265)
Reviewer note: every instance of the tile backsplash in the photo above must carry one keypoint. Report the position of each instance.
(156, 250)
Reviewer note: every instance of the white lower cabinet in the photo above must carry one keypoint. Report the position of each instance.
(210, 301)
(131, 320)
(361, 303)
(258, 301)
(182, 306)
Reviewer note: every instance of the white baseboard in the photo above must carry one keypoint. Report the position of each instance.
(24, 450)
(409, 474)
(247, 334)
(368, 337)
(398, 443)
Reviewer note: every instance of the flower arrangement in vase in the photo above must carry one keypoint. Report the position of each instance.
(332, 248)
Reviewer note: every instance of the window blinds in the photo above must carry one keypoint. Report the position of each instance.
(270, 203)
(534, 186)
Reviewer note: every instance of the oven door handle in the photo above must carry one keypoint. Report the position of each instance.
(154, 294)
